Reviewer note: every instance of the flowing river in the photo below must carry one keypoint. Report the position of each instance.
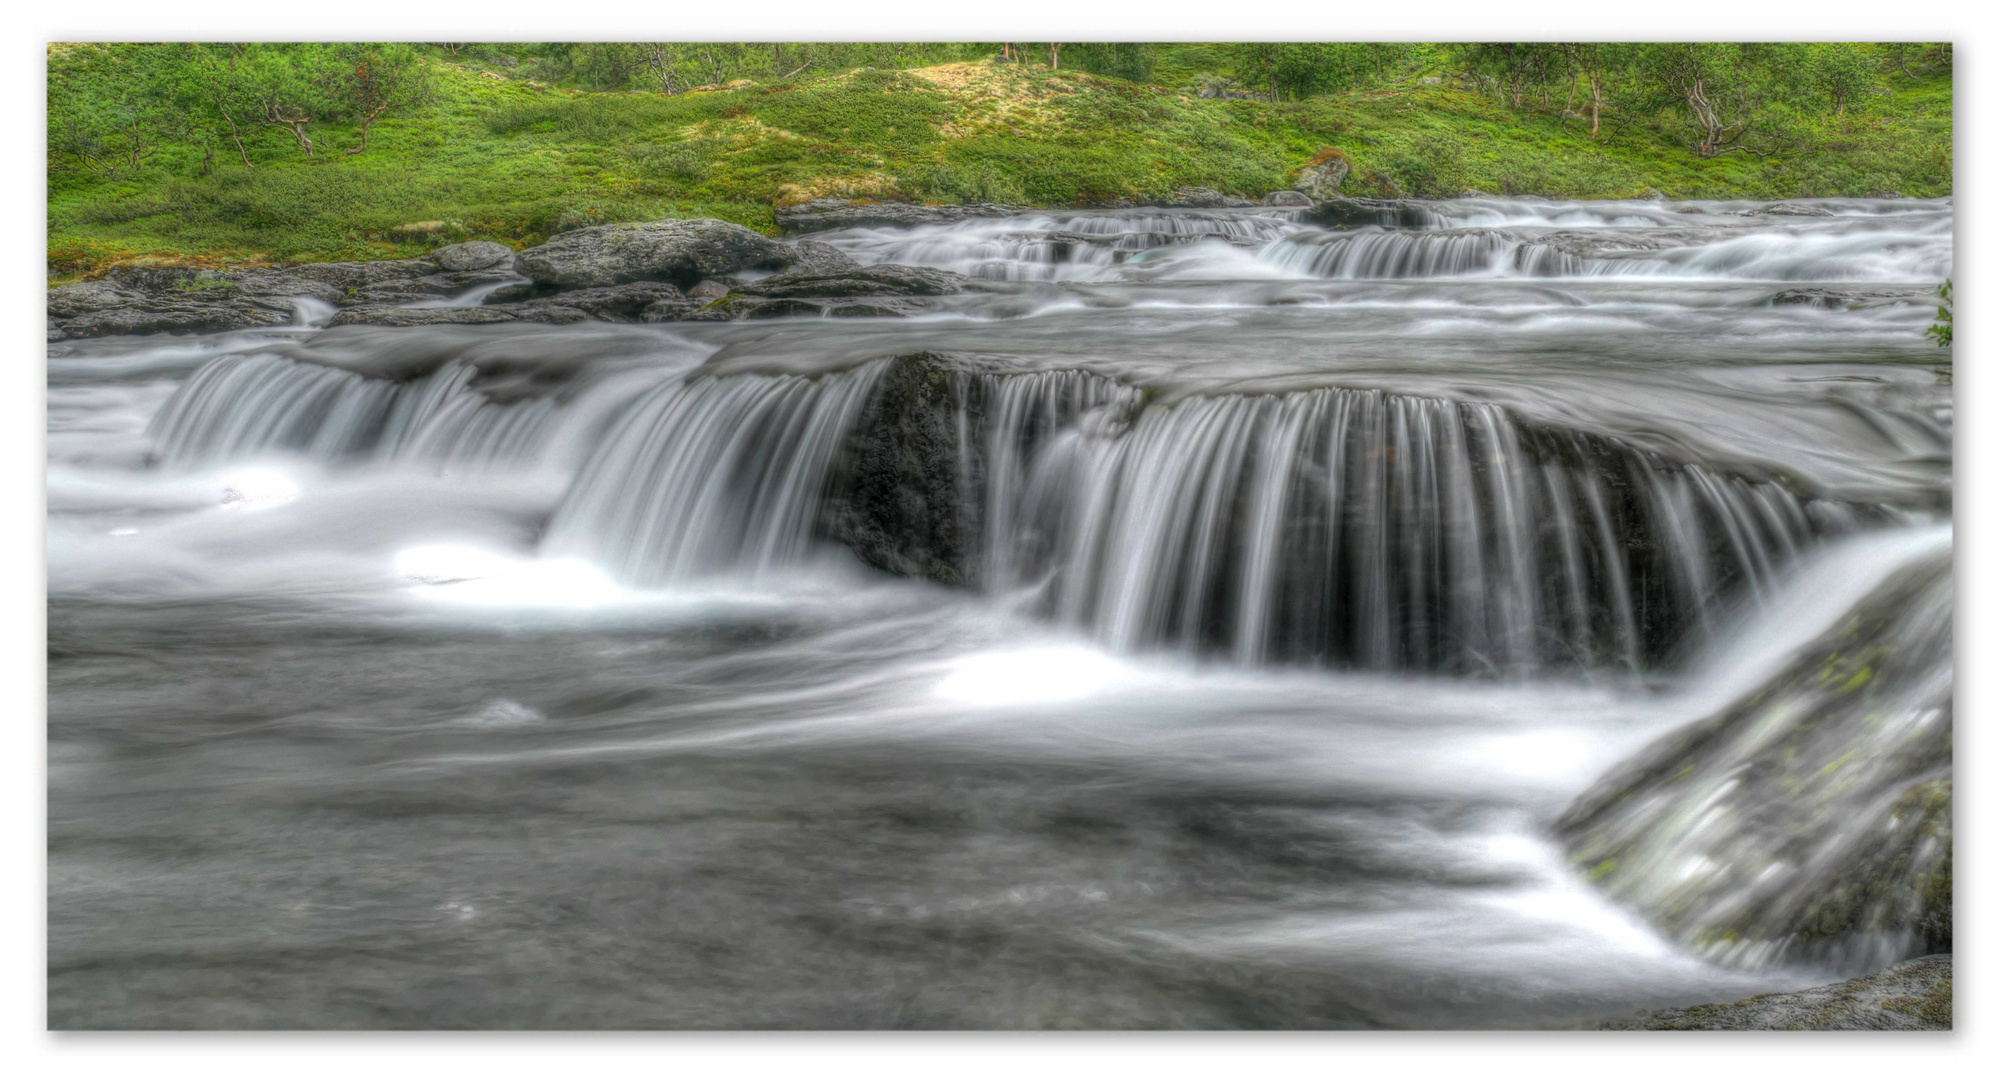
(1272, 591)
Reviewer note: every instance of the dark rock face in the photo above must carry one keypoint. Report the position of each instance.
(1286, 198)
(903, 506)
(474, 255)
(819, 215)
(1811, 822)
(1918, 995)
(1343, 213)
(427, 287)
(679, 252)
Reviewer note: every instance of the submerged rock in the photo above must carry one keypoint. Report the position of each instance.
(1811, 822)
(819, 215)
(1843, 299)
(680, 252)
(1918, 995)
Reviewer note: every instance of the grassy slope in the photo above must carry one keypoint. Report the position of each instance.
(505, 159)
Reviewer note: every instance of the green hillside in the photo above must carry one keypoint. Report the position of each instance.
(484, 149)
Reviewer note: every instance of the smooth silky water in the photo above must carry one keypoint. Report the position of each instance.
(512, 676)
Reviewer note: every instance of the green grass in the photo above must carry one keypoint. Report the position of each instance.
(505, 159)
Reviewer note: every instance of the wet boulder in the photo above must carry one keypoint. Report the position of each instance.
(819, 215)
(1810, 822)
(1341, 213)
(904, 501)
(679, 252)
(1848, 299)
(1286, 198)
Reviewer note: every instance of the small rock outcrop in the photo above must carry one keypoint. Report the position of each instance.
(179, 300)
(678, 252)
(1327, 170)
(1200, 198)
(819, 215)
(1918, 995)
(1286, 198)
(817, 257)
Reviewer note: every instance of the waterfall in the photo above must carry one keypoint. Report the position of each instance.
(710, 475)
(242, 405)
(1382, 531)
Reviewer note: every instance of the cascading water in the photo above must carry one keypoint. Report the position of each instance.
(1284, 588)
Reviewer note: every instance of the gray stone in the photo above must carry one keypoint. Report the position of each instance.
(1473, 193)
(1918, 995)
(359, 275)
(474, 255)
(69, 301)
(1286, 198)
(680, 252)
(617, 303)
(386, 315)
(1199, 198)
(819, 215)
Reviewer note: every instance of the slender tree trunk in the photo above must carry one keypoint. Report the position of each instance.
(238, 139)
(1054, 55)
(1595, 105)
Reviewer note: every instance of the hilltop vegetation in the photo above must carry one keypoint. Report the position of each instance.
(274, 152)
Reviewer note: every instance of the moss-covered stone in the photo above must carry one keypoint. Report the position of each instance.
(1915, 995)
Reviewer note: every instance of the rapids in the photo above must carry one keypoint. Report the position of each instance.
(1260, 595)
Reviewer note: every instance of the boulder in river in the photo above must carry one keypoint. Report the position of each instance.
(1810, 822)
(817, 257)
(1787, 209)
(680, 252)
(390, 315)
